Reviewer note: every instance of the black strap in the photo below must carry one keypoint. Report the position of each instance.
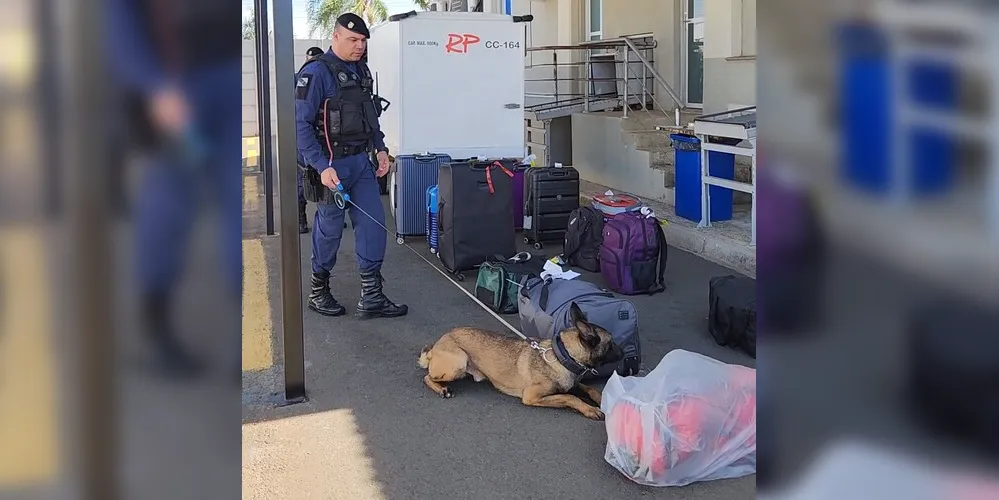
(543, 301)
(660, 283)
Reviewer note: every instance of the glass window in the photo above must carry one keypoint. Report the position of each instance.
(596, 19)
(695, 8)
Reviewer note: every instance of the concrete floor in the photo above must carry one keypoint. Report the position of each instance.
(372, 430)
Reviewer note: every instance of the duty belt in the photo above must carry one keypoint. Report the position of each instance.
(345, 151)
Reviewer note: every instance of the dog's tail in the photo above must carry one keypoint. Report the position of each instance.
(424, 361)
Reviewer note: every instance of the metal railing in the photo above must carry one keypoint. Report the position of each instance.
(601, 81)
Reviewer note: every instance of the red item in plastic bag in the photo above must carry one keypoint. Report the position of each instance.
(691, 419)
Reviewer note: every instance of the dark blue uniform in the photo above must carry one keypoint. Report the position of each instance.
(153, 45)
(356, 173)
(337, 126)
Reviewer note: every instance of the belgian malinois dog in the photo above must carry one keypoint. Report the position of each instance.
(540, 373)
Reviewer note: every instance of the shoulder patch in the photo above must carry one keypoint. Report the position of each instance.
(302, 86)
(342, 76)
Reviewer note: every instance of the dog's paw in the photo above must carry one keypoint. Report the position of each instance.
(593, 414)
(446, 393)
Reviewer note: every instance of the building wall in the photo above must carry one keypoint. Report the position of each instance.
(658, 17)
(729, 51)
(602, 155)
(250, 126)
(729, 54)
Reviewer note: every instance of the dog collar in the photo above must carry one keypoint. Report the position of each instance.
(563, 357)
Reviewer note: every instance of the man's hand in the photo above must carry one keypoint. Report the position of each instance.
(170, 110)
(329, 178)
(383, 164)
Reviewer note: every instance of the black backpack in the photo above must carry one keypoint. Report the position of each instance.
(583, 239)
(732, 312)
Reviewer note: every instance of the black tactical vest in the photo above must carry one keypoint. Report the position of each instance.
(350, 116)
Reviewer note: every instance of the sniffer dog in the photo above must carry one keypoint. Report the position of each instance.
(540, 373)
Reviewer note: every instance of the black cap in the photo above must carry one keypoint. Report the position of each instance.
(353, 22)
(314, 52)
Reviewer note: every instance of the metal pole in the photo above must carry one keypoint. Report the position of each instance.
(555, 74)
(264, 111)
(645, 84)
(85, 306)
(291, 256)
(49, 122)
(586, 83)
(626, 68)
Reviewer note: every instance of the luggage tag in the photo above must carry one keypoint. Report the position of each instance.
(528, 220)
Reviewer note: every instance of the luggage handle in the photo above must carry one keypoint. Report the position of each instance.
(558, 173)
(425, 158)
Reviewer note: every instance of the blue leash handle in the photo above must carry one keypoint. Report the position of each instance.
(340, 197)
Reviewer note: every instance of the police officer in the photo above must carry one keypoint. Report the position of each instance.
(183, 67)
(303, 220)
(337, 126)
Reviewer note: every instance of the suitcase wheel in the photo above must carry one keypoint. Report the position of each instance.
(527, 241)
(538, 245)
(399, 239)
(459, 277)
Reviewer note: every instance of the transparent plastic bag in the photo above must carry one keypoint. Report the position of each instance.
(690, 419)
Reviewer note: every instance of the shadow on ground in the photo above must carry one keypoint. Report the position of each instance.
(363, 381)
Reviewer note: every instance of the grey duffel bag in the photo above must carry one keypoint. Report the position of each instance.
(543, 305)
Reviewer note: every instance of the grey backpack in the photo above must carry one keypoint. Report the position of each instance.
(543, 305)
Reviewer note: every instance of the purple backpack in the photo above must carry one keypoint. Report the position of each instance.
(633, 254)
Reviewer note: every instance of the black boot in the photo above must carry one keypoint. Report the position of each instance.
(170, 357)
(374, 303)
(303, 220)
(321, 300)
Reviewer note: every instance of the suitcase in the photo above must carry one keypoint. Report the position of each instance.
(550, 195)
(475, 216)
(412, 176)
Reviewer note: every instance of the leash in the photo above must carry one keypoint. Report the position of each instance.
(340, 199)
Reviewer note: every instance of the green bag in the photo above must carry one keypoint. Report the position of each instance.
(499, 280)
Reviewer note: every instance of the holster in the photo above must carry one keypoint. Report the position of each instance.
(312, 186)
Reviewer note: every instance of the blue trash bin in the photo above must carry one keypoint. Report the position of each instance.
(687, 166)
(866, 114)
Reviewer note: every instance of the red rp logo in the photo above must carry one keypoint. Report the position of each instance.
(459, 43)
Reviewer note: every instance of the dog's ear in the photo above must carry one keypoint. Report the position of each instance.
(586, 333)
(576, 314)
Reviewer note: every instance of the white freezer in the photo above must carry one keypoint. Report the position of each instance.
(455, 81)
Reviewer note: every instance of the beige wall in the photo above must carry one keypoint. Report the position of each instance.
(249, 89)
(729, 54)
(659, 17)
(730, 40)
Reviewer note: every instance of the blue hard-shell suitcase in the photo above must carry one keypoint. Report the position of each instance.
(412, 176)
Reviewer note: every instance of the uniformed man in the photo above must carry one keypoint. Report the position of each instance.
(303, 220)
(337, 120)
(182, 66)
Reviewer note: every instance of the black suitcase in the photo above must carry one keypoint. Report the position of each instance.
(953, 370)
(475, 214)
(550, 195)
(732, 312)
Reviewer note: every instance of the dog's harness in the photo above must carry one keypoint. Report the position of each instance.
(563, 357)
